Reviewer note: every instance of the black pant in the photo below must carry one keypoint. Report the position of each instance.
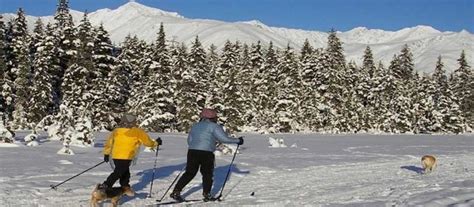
(121, 171)
(198, 158)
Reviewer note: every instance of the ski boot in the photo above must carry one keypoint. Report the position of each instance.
(207, 197)
(176, 195)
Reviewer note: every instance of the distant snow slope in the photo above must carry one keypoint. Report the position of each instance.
(330, 170)
(426, 43)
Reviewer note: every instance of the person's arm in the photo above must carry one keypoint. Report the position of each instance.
(145, 139)
(222, 136)
(108, 143)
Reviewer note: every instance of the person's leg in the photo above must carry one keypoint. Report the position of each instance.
(125, 178)
(116, 174)
(192, 166)
(207, 171)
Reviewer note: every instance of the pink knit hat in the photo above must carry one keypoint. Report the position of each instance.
(208, 113)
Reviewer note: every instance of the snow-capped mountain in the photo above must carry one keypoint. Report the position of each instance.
(426, 42)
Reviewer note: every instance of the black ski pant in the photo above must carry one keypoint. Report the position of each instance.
(196, 159)
(121, 171)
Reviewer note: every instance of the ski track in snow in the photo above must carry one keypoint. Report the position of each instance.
(346, 170)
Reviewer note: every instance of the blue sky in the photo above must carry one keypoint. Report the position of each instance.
(321, 15)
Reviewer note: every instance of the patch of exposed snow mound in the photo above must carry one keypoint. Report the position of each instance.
(32, 143)
(30, 137)
(53, 132)
(276, 142)
(65, 162)
(5, 135)
(65, 151)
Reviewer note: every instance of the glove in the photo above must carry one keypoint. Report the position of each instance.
(158, 140)
(106, 158)
(241, 141)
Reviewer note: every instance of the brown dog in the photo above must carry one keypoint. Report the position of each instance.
(114, 194)
(428, 162)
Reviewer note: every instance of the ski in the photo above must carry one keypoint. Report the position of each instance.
(176, 202)
(193, 201)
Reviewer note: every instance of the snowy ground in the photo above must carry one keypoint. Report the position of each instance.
(318, 170)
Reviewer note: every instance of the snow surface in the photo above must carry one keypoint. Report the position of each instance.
(425, 42)
(335, 170)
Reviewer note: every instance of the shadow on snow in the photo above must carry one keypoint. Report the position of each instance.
(413, 168)
(166, 171)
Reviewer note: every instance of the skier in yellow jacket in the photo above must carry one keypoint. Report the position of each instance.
(123, 145)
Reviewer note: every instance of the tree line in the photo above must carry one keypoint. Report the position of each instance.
(72, 76)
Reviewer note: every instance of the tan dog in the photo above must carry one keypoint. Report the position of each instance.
(114, 194)
(428, 162)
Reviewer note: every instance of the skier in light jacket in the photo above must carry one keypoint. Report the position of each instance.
(123, 145)
(201, 146)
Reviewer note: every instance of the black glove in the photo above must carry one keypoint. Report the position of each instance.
(158, 140)
(106, 158)
(241, 141)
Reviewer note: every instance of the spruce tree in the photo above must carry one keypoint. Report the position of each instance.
(257, 78)
(110, 80)
(3, 65)
(245, 75)
(159, 112)
(133, 52)
(8, 94)
(186, 91)
(67, 44)
(306, 50)
(334, 83)
(462, 86)
(44, 64)
(197, 62)
(287, 94)
(226, 99)
(440, 80)
(22, 69)
(405, 69)
(266, 90)
(37, 37)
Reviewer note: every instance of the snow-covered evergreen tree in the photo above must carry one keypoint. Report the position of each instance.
(333, 83)
(405, 65)
(397, 94)
(288, 83)
(67, 47)
(131, 57)
(258, 81)
(306, 50)
(462, 85)
(3, 64)
(36, 37)
(21, 67)
(187, 109)
(44, 64)
(110, 81)
(158, 106)
(264, 88)
(197, 62)
(226, 98)
(245, 74)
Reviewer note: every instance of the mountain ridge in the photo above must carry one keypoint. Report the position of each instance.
(426, 42)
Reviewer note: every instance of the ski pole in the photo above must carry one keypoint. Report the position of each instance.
(227, 176)
(54, 186)
(172, 184)
(154, 169)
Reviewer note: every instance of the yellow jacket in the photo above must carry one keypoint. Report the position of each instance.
(123, 143)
